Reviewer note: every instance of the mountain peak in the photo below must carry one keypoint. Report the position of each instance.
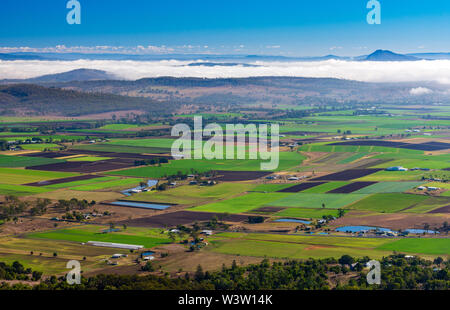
(386, 55)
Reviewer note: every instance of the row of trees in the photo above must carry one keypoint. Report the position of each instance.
(398, 272)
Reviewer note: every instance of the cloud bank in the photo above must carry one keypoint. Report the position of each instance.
(420, 91)
(437, 70)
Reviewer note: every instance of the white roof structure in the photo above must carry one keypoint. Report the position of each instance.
(115, 245)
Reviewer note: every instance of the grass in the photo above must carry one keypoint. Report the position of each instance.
(23, 161)
(315, 201)
(434, 246)
(416, 163)
(88, 158)
(288, 160)
(388, 187)
(429, 204)
(194, 194)
(352, 158)
(324, 188)
(82, 182)
(240, 204)
(120, 183)
(40, 147)
(120, 148)
(21, 190)
(307, 213)
(21, 176)
(381, 176)
(387, 203)
(92, 234)
(270, 188)
(299, 247)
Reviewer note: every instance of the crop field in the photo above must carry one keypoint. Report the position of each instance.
(21, 190)
(287, 160)
(307, 213)
(326, 187)
(338, 156)
(388, 187)
(108, 185)
(21, 176)
(83, 235)
(194, 194)
(419, 245)
(120, 148)
(242, 203)
(300, 247)
(388, 203)
(24, 161)
(81, 182)
(316, 201)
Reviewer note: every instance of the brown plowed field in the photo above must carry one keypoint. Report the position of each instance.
(350, 188)
(347, 175)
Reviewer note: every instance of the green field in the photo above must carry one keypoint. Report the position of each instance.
(193, 194)
(388, 187)
(241, 204)
(419, 246)
(299, 247)
(21, 190)
(121, 148)
(40, 147)
(287, 160)
(92, 233)
(270, 187)
(82, 182)
(24, 161)
(21, 176)
(120, 183)
(307, 213)
(88, 158)
(387, 203)
(315, 201)
(324, 188)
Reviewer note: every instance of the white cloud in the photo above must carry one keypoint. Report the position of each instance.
(150, 49)
(437, 70)
(420, 91)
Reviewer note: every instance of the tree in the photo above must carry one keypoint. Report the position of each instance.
(199, 274)
(346, 260)
(172, 236)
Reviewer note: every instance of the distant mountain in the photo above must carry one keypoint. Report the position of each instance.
(74, 75)
(4, 56)
(70, 76)
(384, 55)
(220, 64)
(431, 56)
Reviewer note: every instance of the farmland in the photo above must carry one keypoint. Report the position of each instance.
(331, 174)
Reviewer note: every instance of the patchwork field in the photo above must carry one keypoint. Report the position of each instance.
(387, 203)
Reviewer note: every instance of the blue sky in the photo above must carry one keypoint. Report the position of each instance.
(296, 28)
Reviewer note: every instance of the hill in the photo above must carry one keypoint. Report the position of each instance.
(28, 98)
(384, 55)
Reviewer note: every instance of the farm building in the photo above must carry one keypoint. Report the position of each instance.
(115, 245)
